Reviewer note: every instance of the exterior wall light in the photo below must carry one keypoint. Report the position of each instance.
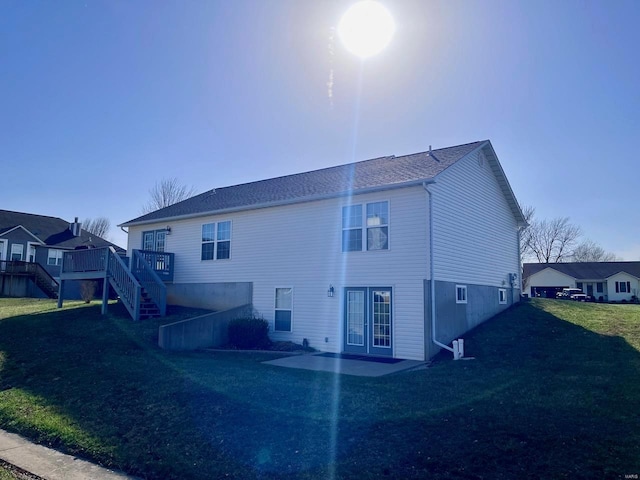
(168, 229)
(331, 291)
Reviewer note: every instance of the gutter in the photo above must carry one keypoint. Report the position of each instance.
(276, 203)
(425, 185)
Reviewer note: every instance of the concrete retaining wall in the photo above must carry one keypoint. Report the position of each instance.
(213, 296)
(208, 330)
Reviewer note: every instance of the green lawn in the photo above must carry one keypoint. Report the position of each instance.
(554, 392)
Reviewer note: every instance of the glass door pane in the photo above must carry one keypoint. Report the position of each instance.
(355, 318)
(381, 310)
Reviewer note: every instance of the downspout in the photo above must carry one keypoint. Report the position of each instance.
(425, 185)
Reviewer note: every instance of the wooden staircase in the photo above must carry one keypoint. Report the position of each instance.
(138, 286)
(34, 271)
(45, 282)
(148, 308)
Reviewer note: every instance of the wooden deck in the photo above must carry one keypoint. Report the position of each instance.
(139, 286)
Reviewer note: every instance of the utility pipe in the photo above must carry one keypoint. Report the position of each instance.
(425, 185)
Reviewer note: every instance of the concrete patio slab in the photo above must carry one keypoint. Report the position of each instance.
(50, 464)
(361, 368)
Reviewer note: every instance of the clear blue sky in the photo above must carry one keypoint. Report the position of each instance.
(100, 99)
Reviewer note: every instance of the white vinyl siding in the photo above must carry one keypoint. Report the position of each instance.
(476, 239)
(279, 246)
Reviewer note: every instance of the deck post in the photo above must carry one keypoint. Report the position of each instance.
(60, 293)
(105, 295)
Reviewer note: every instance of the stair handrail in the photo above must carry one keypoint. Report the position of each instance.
(124, 282)
(42, 274)
(150, 280)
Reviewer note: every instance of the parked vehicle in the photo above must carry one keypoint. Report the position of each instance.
(573, 294)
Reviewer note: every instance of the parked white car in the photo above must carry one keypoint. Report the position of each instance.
(573, 294)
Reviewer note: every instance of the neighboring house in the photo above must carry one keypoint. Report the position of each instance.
(31, 249)
(604, 281)
(344, 257)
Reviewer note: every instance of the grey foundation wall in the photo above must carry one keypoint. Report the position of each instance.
(453, 319)
(213, 296)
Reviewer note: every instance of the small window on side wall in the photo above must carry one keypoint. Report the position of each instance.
(502, 295)
(461, 294)
(283, 310)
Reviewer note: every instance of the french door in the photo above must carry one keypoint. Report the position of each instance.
(368, 321)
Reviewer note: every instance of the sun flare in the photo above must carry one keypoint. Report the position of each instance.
(366, 28)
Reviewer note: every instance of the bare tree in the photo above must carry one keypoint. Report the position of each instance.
(589, 251)
(552, 241)
(167, 192)
(98, 226)
(525, 235)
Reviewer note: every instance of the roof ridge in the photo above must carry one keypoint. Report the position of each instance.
(31, 214)
(341, 165)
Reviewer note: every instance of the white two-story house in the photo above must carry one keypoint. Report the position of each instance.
(394, 256)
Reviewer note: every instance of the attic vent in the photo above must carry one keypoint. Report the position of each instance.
(481, 158)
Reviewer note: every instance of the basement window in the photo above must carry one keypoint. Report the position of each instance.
(461, 294)
(502, 296)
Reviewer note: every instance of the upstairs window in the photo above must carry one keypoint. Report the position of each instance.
(365, 227)
(352, 228)
(54, 257)
(378, 226)
(17, 250)
(216, 241)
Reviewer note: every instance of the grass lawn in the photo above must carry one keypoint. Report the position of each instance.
(554, 392)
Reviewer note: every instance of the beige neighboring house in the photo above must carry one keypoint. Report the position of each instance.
(604, 281)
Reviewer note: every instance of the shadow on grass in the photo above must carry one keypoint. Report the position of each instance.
(544, 399)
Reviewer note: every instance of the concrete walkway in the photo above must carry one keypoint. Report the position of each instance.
(361, 368)
(50, 464)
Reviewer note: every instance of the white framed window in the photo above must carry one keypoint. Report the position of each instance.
(461, 294)
(502, 295)
(378, 226)
(17, 251)
(623, 287)
(54, 257)
(283, 318)
(365, 227)
(216, 241)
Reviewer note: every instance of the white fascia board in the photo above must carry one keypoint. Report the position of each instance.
(280, 203)
(27, 231)
(498, 171)
(622, 271)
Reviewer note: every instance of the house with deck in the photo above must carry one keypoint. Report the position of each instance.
(602, 281)
(31, 250)
(394, 256)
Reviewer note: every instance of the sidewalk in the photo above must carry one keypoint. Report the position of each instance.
(50, 464)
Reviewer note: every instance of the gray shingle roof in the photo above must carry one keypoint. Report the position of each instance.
(333, 181)
(585, 270)
(52, 231)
